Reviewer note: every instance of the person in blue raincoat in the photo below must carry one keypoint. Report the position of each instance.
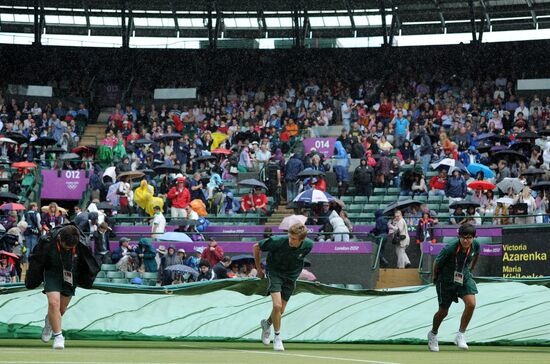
(147, 253)
(341, 155)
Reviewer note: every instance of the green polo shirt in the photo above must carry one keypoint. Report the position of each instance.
(449, 261)
(282, 258)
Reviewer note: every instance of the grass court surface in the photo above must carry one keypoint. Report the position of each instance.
(20, 351)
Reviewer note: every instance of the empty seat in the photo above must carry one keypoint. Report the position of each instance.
(376, 199)
(150, 275)
(393, 190)
(361, 199)
(120, 281)
(131, 275)
(101, 274)
(113, 275)
(108, 267)
(379, 191)
(101, 280)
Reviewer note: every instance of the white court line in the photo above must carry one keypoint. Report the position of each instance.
(300, 355)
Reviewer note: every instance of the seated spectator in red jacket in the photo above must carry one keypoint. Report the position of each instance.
(438, 184)
(254, 202)
(213, 253)
(180, 197)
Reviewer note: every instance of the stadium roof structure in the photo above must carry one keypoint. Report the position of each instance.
(294, 20)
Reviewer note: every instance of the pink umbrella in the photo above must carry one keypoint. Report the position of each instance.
(291, 220)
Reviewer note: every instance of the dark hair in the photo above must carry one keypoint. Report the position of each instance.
(467, 230)
(204, 263)
(70, 235)
(268, 232)
(226, 259)
(156, 208)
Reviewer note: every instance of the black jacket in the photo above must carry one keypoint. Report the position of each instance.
(87, 267)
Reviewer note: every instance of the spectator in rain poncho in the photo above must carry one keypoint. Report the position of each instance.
(147, 253)
(143, 197)
(341, 156)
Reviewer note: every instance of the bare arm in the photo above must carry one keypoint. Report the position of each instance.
(258, 260)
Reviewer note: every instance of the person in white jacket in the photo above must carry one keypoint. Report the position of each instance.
(398, 226)
(340, 231)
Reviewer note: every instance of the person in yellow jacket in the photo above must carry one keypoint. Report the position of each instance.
(143, 197)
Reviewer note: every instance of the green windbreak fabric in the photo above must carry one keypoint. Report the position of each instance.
(248, 287)
(506, 313)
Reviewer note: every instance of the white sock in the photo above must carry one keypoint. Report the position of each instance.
(60, 333)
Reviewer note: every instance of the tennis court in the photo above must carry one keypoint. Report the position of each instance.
(21, 351)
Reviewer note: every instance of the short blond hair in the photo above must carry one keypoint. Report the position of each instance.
(298, 230)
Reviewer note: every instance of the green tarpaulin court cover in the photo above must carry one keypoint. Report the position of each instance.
(506, 313)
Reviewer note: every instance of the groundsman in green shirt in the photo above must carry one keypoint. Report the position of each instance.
(285, 261)
(452, 276)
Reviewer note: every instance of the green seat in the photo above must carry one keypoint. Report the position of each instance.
(393, 190)
(101, 274)
(150, 275)
(390, 198)
(370, 208)
(379, 191)
(433, 206)
(108, 267)
(435, 199)
(150, 282)
(131, 275)
(248, 239)
(101, 280)
(354, 286)
(376, 199)
(347, 199)
(355, 207)
(422, 199)
(431, 174)
(484, 239)
(361, 199)
(113, 275)
(120, 281)
(354, 215)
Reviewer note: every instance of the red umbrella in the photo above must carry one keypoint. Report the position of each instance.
(482, 185)
(11, 256)
(222, 151)
(12, 207)
(24, 165)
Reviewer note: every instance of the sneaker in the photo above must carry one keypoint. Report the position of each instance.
(278, 343)
(266, 332)
(433, 345)
(460, 341)
(47, 330)
(59, 342)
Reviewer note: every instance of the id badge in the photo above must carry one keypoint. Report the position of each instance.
(68, 277)
(459, 278)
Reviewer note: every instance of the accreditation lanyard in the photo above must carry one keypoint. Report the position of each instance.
(459, 275)
(67, 274)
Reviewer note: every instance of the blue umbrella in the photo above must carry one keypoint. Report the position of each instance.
(485, 136)
(181, 268)
(313, 196)
(474, 168)
(174, 236)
